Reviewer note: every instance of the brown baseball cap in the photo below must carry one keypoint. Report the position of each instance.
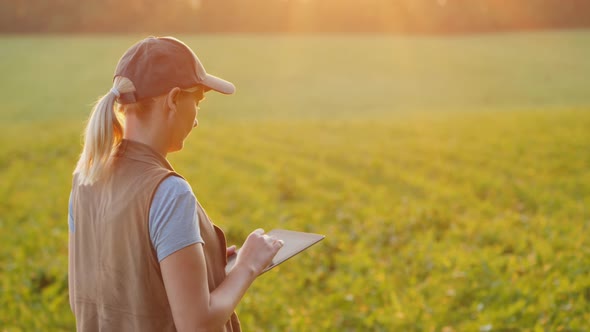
(156, 65)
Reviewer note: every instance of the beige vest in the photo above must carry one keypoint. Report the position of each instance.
(115, 281)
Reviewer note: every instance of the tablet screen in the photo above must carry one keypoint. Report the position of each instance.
(294, 243)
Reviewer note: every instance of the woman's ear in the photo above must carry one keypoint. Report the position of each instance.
(173, 98)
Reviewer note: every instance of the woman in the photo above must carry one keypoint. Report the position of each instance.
(143, 255)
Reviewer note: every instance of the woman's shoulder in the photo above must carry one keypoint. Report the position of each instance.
(173, 186)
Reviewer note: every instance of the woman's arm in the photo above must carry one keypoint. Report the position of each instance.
(185, 278)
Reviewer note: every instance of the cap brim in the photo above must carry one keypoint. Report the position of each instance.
(218, 84)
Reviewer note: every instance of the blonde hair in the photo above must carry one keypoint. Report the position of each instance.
(103, 134)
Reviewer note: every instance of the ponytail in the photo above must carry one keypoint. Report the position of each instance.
(103, 134)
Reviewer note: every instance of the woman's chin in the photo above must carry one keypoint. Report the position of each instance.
(176, 147)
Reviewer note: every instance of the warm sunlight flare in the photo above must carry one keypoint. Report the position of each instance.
(296, 16)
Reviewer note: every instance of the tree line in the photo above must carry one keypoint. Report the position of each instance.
(290, 16)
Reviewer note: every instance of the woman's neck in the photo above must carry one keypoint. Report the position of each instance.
(144, 132)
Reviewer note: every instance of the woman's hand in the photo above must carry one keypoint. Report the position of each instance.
(185, 278)
(230, 251)
(258, 250)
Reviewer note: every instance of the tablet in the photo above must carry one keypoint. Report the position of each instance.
(294, 243)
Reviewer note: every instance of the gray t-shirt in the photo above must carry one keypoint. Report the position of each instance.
(173, 219)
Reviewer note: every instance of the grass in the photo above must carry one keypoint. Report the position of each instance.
(450, 175)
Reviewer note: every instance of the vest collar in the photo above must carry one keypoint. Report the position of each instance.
(141, 152)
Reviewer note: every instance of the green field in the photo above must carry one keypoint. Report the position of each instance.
(451, 175)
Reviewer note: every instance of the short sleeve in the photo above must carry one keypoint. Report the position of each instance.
(173, 219)
(71, 225)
